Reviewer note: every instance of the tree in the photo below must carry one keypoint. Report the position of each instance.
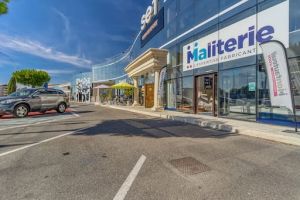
(3, 6)
(30, 77)
(12, 85)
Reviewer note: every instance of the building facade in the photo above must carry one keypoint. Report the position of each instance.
(3, 90)
(214, 62)
(204, 57)
(81, 87)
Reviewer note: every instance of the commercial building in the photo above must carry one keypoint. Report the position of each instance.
(3, 90)
(205, 57)
(81, 87)
(109, 73)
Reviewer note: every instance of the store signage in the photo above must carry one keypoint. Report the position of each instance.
(150, 13)
(156, 25)
(240, 39)
(278, 76)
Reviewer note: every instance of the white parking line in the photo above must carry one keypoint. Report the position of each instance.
(43, 141)
(42, 122)
(75, 114)
(129, 180)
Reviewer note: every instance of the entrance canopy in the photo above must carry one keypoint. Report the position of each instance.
(150, 61)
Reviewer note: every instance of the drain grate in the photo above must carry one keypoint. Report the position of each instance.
(189, 166)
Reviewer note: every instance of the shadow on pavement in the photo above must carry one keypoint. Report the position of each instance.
(12, 145)
(33, 115)
(38, 132)
(152, 128)
(83, 112)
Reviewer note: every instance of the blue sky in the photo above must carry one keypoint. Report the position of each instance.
(65, 37)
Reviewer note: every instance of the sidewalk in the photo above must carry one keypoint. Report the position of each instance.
(269, 132)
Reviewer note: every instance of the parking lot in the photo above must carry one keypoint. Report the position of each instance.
(101, 153)
(9, 122)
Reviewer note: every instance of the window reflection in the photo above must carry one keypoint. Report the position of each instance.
(237, 93)
(276, 114)
(187, 94)
(294, 15)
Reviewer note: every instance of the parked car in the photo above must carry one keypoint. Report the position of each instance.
(24, 101)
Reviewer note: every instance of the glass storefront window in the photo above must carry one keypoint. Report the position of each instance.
(275, 114)
(187, 95)
(172, 56)
(294, 49)
(211, 8)
(171, 94)
(294, 64)
(294, 15)
(227, 3)
(185, 16)
(237, 93)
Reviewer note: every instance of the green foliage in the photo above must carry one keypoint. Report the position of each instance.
(128, 92)
(12, 85)
(30, 77)
(109, 95)
(3, 6)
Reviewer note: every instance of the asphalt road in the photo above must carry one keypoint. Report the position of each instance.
(99, 155)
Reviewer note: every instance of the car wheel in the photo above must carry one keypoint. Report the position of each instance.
(61, 108)
(21, 111)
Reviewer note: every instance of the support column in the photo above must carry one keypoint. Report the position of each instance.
(98, 96)
(156, 85)
(136, 95)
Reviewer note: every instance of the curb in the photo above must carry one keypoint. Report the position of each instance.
(190, 120)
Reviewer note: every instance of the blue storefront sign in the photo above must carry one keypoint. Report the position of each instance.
(154, 27)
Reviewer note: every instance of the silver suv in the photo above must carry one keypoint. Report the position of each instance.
(24, 101)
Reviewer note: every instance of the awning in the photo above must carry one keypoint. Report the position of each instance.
(122, 85)
(102, 87)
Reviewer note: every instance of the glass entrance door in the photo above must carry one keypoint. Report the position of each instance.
(238, 93)
(206, 94)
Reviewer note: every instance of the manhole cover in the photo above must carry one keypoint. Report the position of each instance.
(189, 166)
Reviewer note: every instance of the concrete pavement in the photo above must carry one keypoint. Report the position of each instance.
(9, 122)
(265, 131)
(184, 161)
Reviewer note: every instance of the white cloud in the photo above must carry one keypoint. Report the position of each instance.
(37, 49)
(58, 71)
(66, 22)
(4, 63)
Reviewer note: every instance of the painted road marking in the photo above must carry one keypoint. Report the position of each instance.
(129, 180)
(41, 142)
(74, 115)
